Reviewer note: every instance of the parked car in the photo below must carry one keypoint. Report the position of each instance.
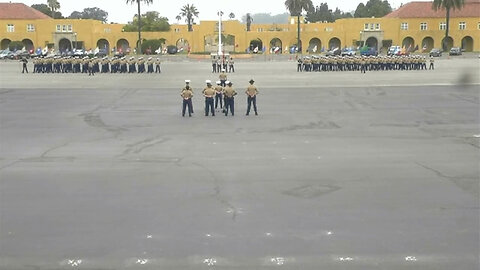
(101, 53)
(21, 54)
(332, 52)
(455, 51)
(348, 52)
(6, 54)
(394, 50)
(435, 52)
(368, 51)
(171, 49)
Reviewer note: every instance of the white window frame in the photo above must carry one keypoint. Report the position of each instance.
(59, 28)
(30, 27)
(10, 28)
(365, 27)
(423, 26)
(69, 28)
(462, 25)
(372, 26)
(442, 26)
(64, 28)
(404, 26)
(377, 26)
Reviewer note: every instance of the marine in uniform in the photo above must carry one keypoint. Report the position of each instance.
(431, 63)
(229, 94)
(157, 66)
(209, 93)
(187, 95)
(252, 93)
(231, 64)
(223, 78)
(24, 65)
(218, 95)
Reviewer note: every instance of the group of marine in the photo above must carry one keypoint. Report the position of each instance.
(363, 63)
(68, 64)
(214, 95)
(223, 64)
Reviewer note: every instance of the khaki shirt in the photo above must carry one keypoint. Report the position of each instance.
(185, 88)
(186, 94)
(252, 90)
(208, 92)
(218, 89)
(229, 92)
(222, 76)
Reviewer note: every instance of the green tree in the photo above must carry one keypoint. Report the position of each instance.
(319, 14)
(295, 7)
(447, 5)
(94, 13)
(151, 22)
(373, 8)
(54, 5)
(249, 21)
(188, 12)
(139, 41)
(231, 15)
(46, 10)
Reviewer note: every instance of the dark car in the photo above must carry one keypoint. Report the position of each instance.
(369, 51)
(171, 49)
(101, 53)
(435, 53)
(455, 51)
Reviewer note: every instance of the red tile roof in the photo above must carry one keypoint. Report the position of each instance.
(19, 11)
(424, 10)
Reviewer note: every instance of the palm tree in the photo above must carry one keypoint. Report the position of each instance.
(178, 18)
(54, 5)
(231, 15)
(296, 7)
(448, 5)
(139, 16)
(249, 20)
(189, 11)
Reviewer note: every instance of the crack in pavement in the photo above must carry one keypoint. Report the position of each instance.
(138, 147)
(460, 182)
(234, 211)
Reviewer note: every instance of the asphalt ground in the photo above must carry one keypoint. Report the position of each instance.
(339, 171)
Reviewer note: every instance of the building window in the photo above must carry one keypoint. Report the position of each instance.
(328, 29)
(365, 27)
(478, 26)
(371, 26)
(30, 28)
(423, 26)
(404, 26)
(462, 25)
(377, 26)
(59, 28)
(107, 30)
(70, 28)
(10, 28)
(261, 30)
(64, 28)
(442, 26)
(176, 30)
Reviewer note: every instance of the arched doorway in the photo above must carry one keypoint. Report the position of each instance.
(182, 45)
(103, 44)
(256, 45)
(408, 43)
(123, 45)
(315, 45)
(64, 45)
(334, 43)
(427, 44)
(4, 44)
(28, 44)
(276, 46)
(372, 42)
(447, 43)
(467, 44)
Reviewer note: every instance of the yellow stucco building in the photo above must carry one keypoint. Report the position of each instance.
(412, 24)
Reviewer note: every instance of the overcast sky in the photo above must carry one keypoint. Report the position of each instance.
(120, 12)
